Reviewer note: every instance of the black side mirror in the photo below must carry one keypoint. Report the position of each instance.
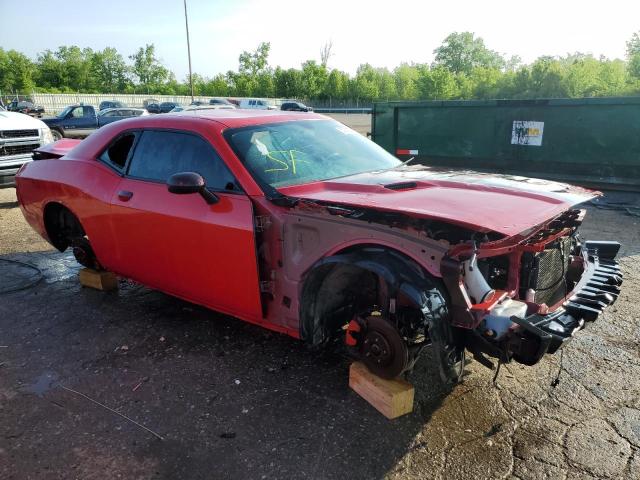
(190, 182)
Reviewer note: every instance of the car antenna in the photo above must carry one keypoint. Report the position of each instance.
(406, 162)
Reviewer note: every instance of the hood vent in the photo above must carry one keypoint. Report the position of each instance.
(401, 185)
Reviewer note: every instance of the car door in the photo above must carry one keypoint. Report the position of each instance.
(179, 243)
(80, 122)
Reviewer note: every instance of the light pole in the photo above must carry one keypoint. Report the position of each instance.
(186, 23)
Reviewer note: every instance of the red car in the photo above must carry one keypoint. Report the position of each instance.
(296, 223)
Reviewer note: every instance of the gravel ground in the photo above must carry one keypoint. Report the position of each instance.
(231, 400)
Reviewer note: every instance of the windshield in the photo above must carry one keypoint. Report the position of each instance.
(304, 151)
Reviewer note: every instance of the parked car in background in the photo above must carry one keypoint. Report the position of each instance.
(220, 101)
(26, 107)
(79, 121)
(293, 106)
(153, 107)
(297, 223)
(19, 136)
(166, 107)
(114, 114)
(111, 104)
(257, 104)
(180, 108)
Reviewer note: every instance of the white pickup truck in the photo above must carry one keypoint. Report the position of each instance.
(19, 136)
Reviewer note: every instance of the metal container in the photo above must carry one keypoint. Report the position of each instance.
(589, 141)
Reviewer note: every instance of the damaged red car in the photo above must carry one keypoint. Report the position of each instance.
(296, 223)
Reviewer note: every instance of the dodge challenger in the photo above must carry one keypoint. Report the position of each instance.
(296, 223)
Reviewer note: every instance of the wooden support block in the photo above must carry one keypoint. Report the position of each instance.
(392, 398)
(100, 280)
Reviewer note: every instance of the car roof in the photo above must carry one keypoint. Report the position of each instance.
(234, 118)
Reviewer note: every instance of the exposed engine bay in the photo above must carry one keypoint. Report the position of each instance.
(505, 298)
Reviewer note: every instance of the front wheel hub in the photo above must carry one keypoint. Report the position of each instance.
(382, 349)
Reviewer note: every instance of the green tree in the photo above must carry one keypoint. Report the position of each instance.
(288, 83)
(546, 79)
(147, 68)
(109, 70)
(366, 85)
(16, 72)
(386, 85)
(337, 85)
(462, 52)
(216, 86)
(252, 63)
(313, 79)
(633, 55)
(437, 83)
(406, 78)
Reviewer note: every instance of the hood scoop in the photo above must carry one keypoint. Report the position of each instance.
(401, 185)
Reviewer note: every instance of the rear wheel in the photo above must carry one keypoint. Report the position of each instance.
(65, 230)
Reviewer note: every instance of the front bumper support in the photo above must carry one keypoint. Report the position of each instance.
(598, 288)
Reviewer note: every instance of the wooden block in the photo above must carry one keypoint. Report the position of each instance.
(100, 280)
(392, 398)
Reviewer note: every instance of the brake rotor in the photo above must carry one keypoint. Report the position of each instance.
(382, 348)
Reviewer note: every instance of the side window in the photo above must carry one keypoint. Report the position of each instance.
(160, 154)
(117, 153)
(87, 111)
(77, 112)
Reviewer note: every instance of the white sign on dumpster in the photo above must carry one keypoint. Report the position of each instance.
(527, 133)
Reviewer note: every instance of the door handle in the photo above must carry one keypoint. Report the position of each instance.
(124, 195)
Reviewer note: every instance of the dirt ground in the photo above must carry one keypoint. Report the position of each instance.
(231, 400)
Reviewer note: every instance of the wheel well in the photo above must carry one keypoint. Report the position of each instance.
(342, 285)
(61, 225)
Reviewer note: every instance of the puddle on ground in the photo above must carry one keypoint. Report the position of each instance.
(59, 267)
(42, 385)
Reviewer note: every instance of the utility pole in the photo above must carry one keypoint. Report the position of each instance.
(186, 23)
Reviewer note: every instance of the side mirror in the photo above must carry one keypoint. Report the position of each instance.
(190, 182)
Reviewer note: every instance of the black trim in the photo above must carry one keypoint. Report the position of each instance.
(120, 171)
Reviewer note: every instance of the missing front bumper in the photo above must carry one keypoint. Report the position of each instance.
(598, 288)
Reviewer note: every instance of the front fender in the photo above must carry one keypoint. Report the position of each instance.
(399, 274)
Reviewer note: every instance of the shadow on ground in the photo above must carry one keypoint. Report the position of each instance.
(231, 400)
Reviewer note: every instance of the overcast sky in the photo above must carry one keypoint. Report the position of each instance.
(383, 33)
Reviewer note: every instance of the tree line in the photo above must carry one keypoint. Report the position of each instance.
(463, 68)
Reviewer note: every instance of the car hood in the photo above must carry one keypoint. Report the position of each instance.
(18, 121)
(505, 204)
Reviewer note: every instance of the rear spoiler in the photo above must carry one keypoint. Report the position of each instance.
(55, 150)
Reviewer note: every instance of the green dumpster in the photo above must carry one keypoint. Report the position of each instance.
(589, 141)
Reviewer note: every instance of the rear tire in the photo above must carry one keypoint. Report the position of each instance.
(65, 230)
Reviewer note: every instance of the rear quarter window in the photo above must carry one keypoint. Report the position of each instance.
(119, 151)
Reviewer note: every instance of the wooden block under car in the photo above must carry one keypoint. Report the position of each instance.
(100, 280)
(392, 398)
